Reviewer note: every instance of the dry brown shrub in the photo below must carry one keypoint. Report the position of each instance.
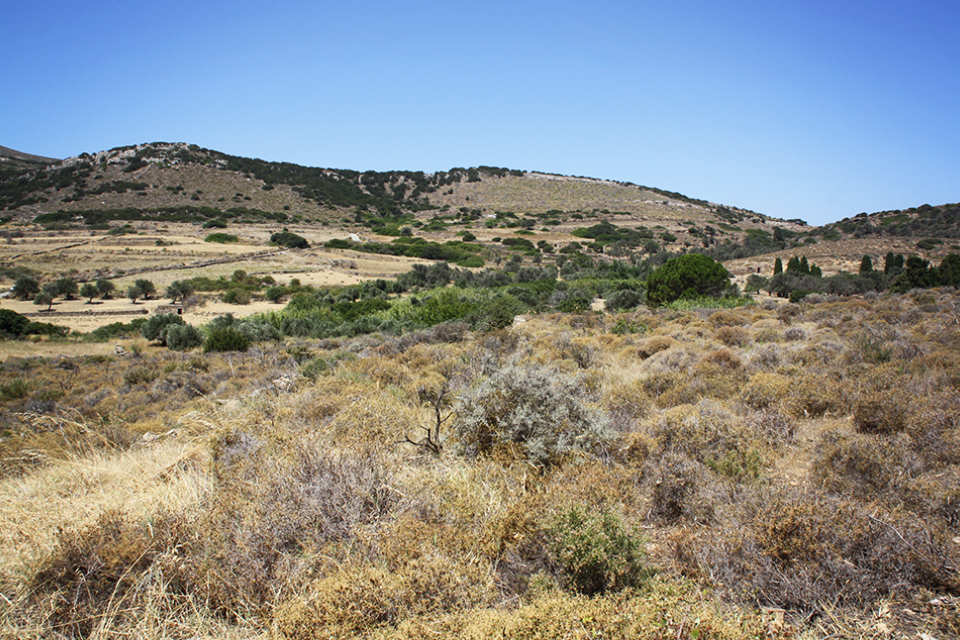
(275, 504)
(626, 403)
(713, 435)
(787, 313)
(863, 465)
(664, 608)
(321, 401)
(385, 371)
(814, 396)
(677, 484)
(101, 570)
(734, 336)
(376, 420)
(722, 358)
(884, 411)
(766, 391)
(359, 600)
(727, 318)
(808, 552)
(654, 344)
(794, 334)
(935, 429)
(776, 428)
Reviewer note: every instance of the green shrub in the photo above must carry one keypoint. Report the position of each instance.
(12, 324)
(182, 337)
(154, 328)
(222, 238)
(226, 339)
(14, 390)
(595, 550)
(288, 239)
(530, 412)
(686, 276)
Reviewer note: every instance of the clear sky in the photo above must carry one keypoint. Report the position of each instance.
(809, 109)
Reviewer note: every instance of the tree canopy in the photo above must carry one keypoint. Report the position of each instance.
(688, 275)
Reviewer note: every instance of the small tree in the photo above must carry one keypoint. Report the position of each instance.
(866, 265)
(777, 267)
(26, 287)
(134, 293)
(45, 297)
(105, 288)
(12, 324)
(88, 291)
(179, 290)
(147, 288)
(226, 339)
(687, 276)
(66, 287)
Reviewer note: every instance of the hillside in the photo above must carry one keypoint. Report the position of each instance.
(184, 182)
(13, 163)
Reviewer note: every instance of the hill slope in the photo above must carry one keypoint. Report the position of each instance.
(181, 175)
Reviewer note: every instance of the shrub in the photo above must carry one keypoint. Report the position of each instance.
(677, 483)
(686, 276)
(182, 337)
(881, 411)
(226, 339)
(153, 329)
(288, 239)
(222, 238)
(530, 412)
(710, 434)
(12, 324)
(595, 550)
(806, 552)
(734, 336)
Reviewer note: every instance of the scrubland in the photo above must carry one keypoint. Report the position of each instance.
(786, 471)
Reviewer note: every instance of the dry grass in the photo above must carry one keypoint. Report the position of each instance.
(789, 474)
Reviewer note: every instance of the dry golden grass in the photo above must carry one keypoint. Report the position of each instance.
(786, 472)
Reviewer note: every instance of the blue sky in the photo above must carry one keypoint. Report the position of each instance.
(813, 110)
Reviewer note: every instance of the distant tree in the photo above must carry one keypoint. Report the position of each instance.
(44, 297)
(777, 267)
(66, 287)
(949, 271)
(275, 294)
(893, 264)
(778, 236)
(147, 288)
(916, 274)
(106, 288)
(288, 239)
(89, 291)
(179, 290)
(25, 287)
(226, 339)
(134, 293)
(754, 283)
(182, 337)
(688, 275)
(866, 265)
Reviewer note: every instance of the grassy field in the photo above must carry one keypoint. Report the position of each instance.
(770, 471)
